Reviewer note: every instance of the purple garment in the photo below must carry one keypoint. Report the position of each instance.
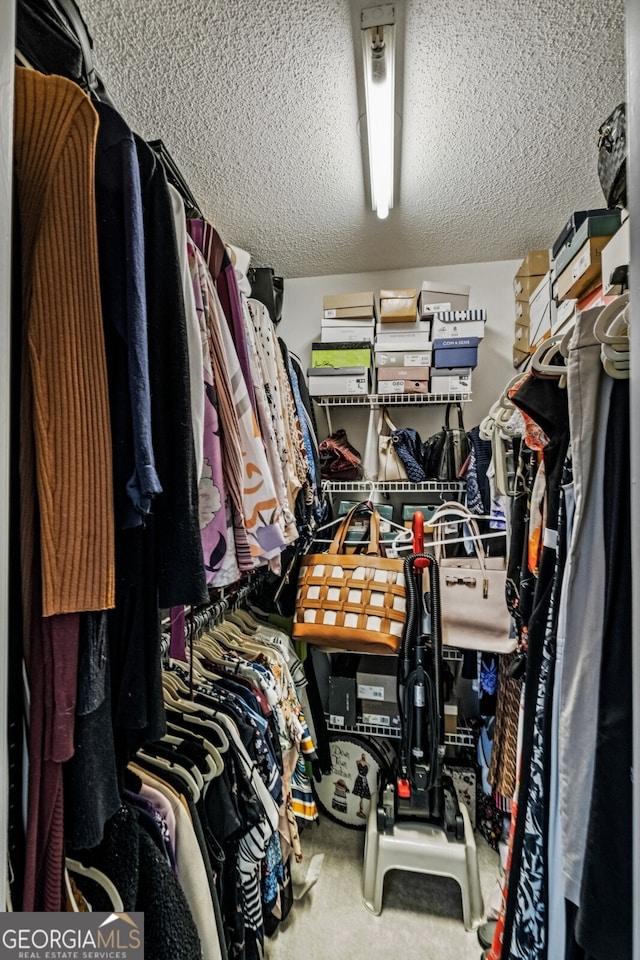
(216, 533)
(177, 647)
(210, 244)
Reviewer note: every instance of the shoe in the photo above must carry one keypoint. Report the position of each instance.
(486, 932)
(485, 955)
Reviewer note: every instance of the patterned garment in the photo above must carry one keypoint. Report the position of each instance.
(216, 529)
(528, 938)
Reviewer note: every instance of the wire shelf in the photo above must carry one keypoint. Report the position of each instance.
(392, 399)
(389, 486)
(463, 738)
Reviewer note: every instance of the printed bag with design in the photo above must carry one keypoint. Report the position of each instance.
(351, 601)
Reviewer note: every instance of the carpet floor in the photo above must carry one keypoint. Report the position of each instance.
(421, 916)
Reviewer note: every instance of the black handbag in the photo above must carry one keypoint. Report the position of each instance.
(268, 289)
(445, 452)
(612, 157)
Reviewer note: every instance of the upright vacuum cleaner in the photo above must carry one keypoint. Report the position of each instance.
(418, 790)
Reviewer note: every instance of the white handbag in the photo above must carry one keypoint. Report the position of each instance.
(474, 612)
(390, 466)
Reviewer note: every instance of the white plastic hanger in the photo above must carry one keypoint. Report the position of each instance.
(73, 866)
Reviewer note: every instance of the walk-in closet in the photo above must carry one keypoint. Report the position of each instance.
(319, 444)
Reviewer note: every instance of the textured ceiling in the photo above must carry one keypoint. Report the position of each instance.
(257, 103)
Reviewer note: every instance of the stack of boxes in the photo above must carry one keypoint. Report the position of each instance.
(580, 262)
(532, 289)
(423, 342)
(402, 350)
(550, 289)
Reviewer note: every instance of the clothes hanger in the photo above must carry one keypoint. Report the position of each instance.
(612, 324)
(215, 757)
(159, 763)
(74, 866)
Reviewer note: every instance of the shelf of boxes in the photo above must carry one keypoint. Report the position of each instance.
(392, 399)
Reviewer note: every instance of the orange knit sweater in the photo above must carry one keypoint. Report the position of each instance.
(66, 430)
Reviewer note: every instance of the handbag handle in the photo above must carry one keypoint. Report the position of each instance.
(460, 420)
(338, 542)
(439, 520)
(385, 420)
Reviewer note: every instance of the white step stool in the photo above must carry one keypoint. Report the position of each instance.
(423, 848)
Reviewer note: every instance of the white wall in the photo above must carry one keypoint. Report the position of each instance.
(491, 288)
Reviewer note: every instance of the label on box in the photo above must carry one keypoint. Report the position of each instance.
(375, 720)
(330, 314)
(417, 359)
(450, 384)
(391, 386)
(429, 308)
(582, 263)
(368, 692)
(357, 385)
(336, 721)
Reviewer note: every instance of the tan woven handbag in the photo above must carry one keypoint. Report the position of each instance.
(352, 601)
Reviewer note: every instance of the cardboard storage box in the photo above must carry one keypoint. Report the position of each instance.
(439, 295)
(346, 335)
(592, 227)
(519, 356)
(409, 342)
(426, 509)
(541, 308)
(342, 701)
(400, 358)
(397, 306)
(376, 678)
(390, 387)
(363, 302)
(350, 313)
(523, 287)
(535, 264)
(583, 272)
(346, 382)
(380, 714)
(450, 381)
(357, 323)
(522, 339)
(573, 224)
(403, 373)
(615, 254)
(459, 352)
(522, 311)
(451, 718)
(458, 323)
(338, 355)
(565, 315)
(360, 525)
(405, 326)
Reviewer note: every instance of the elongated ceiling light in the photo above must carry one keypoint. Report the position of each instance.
(378, 50)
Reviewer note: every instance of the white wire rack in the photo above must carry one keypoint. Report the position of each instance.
(392, 399)
(463, 738)
(389, 486)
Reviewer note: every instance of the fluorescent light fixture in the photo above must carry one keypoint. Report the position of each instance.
(378, 49)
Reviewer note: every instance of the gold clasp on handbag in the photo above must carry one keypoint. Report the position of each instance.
(460, 581)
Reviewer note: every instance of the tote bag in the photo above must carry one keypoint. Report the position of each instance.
(472, 589)
(390, 466)
(351, 601)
